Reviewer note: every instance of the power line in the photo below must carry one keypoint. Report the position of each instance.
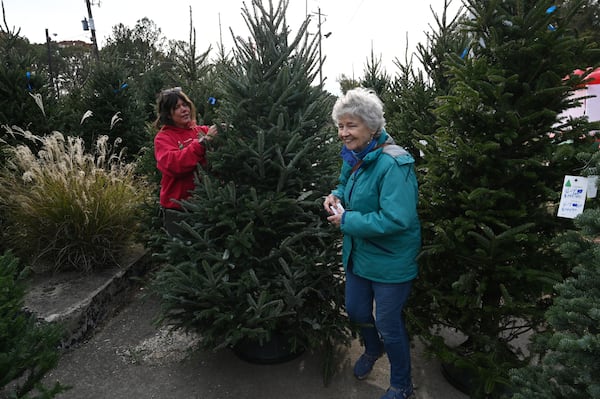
(356, 11)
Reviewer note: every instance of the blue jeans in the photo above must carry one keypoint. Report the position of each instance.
(387, 325)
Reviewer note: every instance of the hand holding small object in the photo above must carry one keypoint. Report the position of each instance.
(330, 202)
(337, 209)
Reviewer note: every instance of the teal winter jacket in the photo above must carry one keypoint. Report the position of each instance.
(381, 228)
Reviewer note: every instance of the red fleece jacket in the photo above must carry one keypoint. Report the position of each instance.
(178, 153)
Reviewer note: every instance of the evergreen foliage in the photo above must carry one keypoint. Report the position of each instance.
(569, 347)
(447, 38)
(408, 108)
(116, 111)
(347, 83)
(375, 76)
(20, 81)
(410, 99)
(492, 179)
(259, 257)
(587, 23)
(27, 350)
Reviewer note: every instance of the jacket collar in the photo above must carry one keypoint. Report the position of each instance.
(351, 158)
(384, 138)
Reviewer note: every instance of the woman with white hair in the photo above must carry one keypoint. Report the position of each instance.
(375, 207)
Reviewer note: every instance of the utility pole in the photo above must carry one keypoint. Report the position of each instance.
(220, 33)
(320, 33)
(306, 16)
(320, 53)
(50, 70)
(92, 29)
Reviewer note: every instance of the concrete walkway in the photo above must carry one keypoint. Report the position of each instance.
(126, 356)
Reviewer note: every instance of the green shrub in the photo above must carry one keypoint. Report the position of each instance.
(67, 207)
(27, 350)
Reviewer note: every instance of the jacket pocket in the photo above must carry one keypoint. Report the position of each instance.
(378, 246)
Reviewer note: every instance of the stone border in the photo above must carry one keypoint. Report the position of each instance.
(81, 302)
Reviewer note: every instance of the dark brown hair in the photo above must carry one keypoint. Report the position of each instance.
(166, 102)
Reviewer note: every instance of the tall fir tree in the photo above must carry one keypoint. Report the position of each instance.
(569, 347)
(115, 110)
(26, 93)
(375, 77)
(493, 173)
(410, 99)
(259, 258)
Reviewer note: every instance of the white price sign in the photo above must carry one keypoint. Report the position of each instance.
(572, 199)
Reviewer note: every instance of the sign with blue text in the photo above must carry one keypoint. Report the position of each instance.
(572, 199)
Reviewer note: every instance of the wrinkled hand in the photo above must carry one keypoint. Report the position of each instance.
(333, 218)
(330, 201)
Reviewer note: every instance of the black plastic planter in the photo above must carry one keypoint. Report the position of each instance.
(277, 350)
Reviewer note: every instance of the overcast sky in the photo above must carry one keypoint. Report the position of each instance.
(356, 26)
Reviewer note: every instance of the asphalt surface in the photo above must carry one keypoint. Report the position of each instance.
(128, 356)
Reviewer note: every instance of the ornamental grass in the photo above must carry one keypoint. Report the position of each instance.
(65, 208)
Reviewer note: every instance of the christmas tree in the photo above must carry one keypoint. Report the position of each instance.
(259, 258)
(492, 176)
(569, 348)
(115, 111)
(25, 93)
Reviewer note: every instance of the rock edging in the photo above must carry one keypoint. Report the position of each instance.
(81, 302)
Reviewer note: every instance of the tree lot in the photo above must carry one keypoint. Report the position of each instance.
(487, 92)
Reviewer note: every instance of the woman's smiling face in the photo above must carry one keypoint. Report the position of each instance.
(354, 133)
(181, 114)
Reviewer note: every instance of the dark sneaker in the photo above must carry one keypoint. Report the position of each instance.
(396, 393)
(364, 365)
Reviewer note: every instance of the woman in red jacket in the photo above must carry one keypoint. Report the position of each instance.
(178, 148)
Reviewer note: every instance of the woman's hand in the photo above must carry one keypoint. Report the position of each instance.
(330, 202)
(335, 219)
(212, 132)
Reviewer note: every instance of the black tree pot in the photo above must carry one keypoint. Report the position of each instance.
(277, 350)
(460, 379)
(464, 381)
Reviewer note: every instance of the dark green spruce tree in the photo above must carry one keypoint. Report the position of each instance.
(410, 99)
(569, 348)
(28, 350)
(493, 172)
(375, 77)
(115, 110)
(259, 258)
(22, 82)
